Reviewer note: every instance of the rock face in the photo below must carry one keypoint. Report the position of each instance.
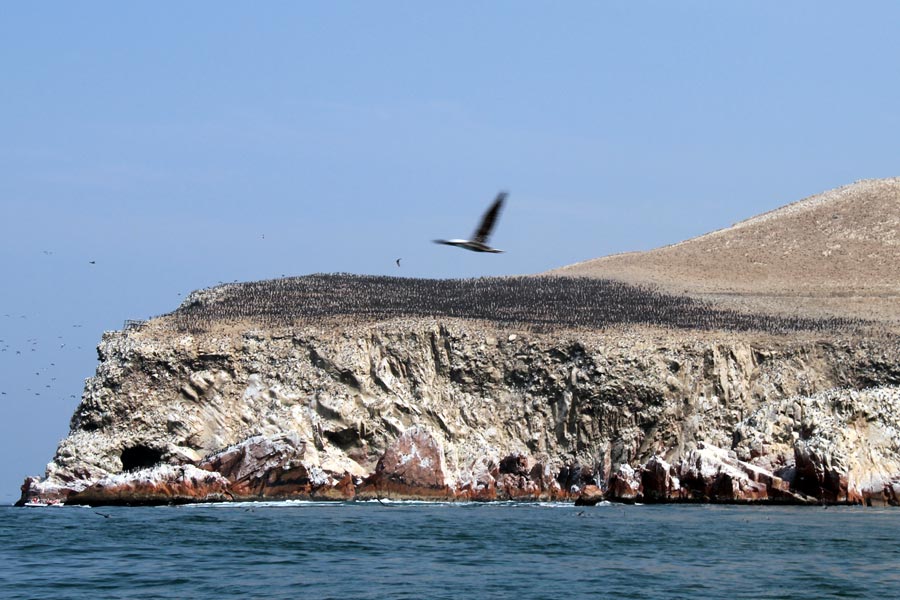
(451, 409)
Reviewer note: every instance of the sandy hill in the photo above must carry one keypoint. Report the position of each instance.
(837, 252)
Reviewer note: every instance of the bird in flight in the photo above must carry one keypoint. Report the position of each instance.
(398, 262)
(478, 243)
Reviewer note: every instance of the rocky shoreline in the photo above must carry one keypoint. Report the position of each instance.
(413, 469)
(457, 410)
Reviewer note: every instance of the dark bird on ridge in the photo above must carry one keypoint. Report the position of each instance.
(479, 241)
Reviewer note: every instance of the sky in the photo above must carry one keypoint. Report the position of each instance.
(148, 150)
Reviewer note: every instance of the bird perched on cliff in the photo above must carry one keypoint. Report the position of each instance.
(478, 243)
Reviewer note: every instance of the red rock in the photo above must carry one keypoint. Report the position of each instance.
(517, 487)
(39, 493)
(817, 477)
(657, 482)
(589, 496)
(481, 485)
(163, 484)
(574, 477)
(522, 479)
(412, 468)
(345, 489)
(624, 485)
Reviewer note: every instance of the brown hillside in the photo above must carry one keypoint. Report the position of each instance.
(837, 252)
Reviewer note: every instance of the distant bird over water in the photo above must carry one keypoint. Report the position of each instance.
(478, 243)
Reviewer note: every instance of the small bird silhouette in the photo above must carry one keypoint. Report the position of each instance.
(398, 262)
(478, 243)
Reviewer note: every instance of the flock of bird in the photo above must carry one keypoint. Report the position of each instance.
(23, 361)
(541, 302)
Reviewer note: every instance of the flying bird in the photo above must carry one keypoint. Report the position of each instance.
(398, 262)
(478, 243)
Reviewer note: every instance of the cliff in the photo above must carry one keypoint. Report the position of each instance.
(449, 408)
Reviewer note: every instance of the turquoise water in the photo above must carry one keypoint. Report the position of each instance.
(421, 550)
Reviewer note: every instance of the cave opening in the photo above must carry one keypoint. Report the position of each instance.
(140, 457)
(344, 438)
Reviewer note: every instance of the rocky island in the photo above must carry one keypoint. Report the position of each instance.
(759, 363)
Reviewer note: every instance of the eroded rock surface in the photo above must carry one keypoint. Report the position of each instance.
(419, 408)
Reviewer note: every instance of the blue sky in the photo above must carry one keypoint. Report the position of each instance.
(177, 145)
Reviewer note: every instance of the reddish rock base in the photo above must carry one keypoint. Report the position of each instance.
(714, 475)
(413, 468)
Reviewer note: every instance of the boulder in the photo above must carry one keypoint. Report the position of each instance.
(624, 485)
(413, 468)
(589, 496)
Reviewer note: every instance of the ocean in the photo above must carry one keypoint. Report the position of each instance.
(348, 550)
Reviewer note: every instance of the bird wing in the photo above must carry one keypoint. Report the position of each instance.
(488, 220)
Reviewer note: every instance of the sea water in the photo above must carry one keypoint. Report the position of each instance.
(349, 550)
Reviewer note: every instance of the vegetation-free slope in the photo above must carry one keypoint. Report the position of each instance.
(835, 253)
